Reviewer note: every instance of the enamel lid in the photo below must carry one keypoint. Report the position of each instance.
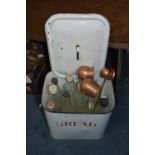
(76, 40)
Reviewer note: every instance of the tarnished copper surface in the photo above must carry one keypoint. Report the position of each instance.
(85, 72)
(112, 73)
(107, 73)
(89, 80)
(90, 87)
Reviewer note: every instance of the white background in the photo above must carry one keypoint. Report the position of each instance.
(12, 77)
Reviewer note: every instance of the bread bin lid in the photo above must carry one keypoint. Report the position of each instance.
(75, 40)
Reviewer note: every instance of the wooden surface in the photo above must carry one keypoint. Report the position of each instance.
(116, 11)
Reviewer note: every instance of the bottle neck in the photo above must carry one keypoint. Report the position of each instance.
(70, 81)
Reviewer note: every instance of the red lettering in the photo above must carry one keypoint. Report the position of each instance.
(66, 123)
(92, 124)
(78, 124)
(84, 123)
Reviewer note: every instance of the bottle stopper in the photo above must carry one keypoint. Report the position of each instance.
(54, 81)
(50, 105)
(52, 89)
(104, 102)
(69, 77)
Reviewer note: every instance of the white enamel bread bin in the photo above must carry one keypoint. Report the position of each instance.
(64, 33)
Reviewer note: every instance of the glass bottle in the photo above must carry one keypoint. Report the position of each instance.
(54, 96)
(55, 82)
(66, 105)
(90, 104)
(50, 105)
(69, 86)
(81, 100)
(103, 106)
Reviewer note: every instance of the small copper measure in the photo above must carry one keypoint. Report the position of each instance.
(107, 74)
(85, 72)
(90, 87)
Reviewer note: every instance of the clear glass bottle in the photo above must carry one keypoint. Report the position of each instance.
(55, 95)
(55, 82)
(66, 105)
(81, 100)
(69, 86)
(90, 104)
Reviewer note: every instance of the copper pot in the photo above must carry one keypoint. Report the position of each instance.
(85, 72)
(90, 87)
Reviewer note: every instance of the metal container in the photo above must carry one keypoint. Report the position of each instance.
(64, 33)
